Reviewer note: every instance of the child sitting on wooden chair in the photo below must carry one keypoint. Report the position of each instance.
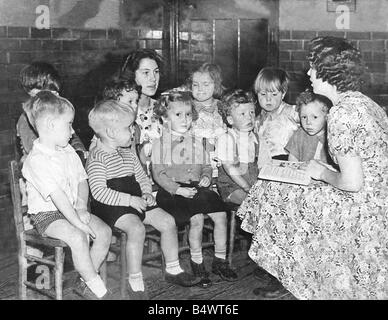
(122, 195)
(58, 191)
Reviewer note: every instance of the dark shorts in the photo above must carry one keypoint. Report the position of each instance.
(42, 220)
(182, 209)
(226, 186)
(110, 214)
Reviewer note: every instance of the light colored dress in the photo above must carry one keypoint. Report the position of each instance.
(275, 130)
(319, 241)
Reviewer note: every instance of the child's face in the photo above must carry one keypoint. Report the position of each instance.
(62, 128)
(129, 98)
(124, 131)
(147, 76)
(180, 116)
(313, 118)
(270, 101)
(242, 117)
(202, 87)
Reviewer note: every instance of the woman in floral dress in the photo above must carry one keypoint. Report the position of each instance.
(329, 240)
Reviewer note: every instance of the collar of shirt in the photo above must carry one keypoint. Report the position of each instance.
(108, 149)
(51, 152)
(209, 109)
(237, 134)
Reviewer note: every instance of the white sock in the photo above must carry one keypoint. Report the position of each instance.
(196, 255)
(173, 267)
(136, 281)
(97, 286)
(221, 254)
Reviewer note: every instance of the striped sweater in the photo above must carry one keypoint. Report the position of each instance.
(103, 165)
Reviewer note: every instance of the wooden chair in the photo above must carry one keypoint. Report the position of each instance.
(32, 238)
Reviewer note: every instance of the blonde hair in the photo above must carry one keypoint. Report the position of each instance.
(271, 79)
(106, 114)
(46, 103)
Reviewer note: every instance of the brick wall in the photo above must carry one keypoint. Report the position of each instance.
(293, 48)
(84, 58)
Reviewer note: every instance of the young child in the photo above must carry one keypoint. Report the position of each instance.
(206, 87)
(122, 195)
(278, 120)
(180, 166)
(33, 78)
(309, 141)
(58, 191)
(238, 149)
(127, 93)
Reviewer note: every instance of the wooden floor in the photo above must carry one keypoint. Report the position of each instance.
(158, 288)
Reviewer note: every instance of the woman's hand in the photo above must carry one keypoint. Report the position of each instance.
(186, 192)
(149, 199)
(204, 182)
(315, 169)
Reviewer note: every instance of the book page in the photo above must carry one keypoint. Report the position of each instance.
(285, 171)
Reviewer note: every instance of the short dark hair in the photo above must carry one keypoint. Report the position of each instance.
(162, 105)
(337, 62)
(232, 99)
(115, 85)
(132, 61)
(40, 75)
(308, 96)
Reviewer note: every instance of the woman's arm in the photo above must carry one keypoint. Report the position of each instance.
(349, 178)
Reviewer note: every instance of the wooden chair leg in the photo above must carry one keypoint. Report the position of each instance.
(231, 235)
(123, 264)
(22, 272)
(59, 261)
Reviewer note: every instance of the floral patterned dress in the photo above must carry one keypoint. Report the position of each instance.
(319, 241)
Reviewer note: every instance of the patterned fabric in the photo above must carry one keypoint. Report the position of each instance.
(149, 125)
(319, 241)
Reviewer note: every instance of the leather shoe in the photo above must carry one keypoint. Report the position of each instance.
(183, 279)
(200, 271)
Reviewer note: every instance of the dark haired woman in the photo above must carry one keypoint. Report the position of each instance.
(328, 240)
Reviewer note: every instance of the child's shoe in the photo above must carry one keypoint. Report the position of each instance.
(200, 271)
(83, 290)
(183, 279)
(137, 295)
(221, 267)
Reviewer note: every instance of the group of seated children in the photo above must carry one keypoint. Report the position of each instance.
(204, 137)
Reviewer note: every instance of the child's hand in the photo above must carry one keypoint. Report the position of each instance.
(204, 182)
(138, 203)
(149, 199)
(83, 215)
(218, 162)
(147, 147)
(85, 228)
(315, 169)
(186, 192)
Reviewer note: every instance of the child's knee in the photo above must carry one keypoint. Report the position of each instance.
(197, 221)
(136, 230)
(103, 233)
(77, 239)
(219, 218)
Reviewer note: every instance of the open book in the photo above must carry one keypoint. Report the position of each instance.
(285, 171)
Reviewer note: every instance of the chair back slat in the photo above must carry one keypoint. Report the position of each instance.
(18, 209)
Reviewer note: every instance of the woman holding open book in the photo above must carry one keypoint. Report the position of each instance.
(328, 240)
